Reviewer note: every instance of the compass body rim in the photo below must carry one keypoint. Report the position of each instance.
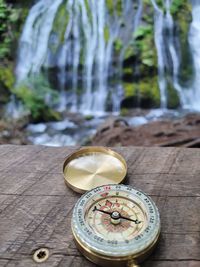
(139, 251)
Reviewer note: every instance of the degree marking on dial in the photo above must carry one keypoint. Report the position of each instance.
(104, 194)
(108, 203)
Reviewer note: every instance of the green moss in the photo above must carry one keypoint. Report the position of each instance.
(124, 112)
(128, 71)
(129, 52)
(110, 6)
(11, 21)
(82, 56)
(59, 25)
(7, 80)
(106, 34)
(147, 18)
(143, 48)
(119, 7)
(114, 5)
(178, 6)
(172, 97)
(129, 89)
(33, 93)
(182, 16)
(149, 90)
(142, 31)
(88, 10)
(89, 117)
(146, 90)
(7, 77)
(160, 3)
(118, 44)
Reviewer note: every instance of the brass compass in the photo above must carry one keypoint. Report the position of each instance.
(112, 224)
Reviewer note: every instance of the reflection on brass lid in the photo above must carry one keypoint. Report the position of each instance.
(90, 167)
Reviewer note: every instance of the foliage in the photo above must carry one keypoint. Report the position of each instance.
(10, 22)
(143, 31)
(145, 45)
(7, 77)
(118, 44)
(38, 98)
(178, 6)
(6, 82)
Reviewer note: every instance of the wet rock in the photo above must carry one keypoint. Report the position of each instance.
(137, 120)
(12, 132)
(62, 125)
(55, 140)
(166, 132)
(37, 128)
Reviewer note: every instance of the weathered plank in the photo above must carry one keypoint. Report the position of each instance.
(36, 206)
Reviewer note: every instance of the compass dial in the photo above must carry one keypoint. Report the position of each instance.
(116, 217)
(115, 221)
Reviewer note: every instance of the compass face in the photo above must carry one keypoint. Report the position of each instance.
(116, 220)
(116, 217)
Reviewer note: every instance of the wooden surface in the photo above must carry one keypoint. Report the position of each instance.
(36, 206)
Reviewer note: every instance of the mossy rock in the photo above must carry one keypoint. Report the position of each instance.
(173, 101)
(7, 81)
(33, 94)
(145, 94)
(183, 17)
(179, 6)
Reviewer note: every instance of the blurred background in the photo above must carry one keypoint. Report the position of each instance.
(106, 72)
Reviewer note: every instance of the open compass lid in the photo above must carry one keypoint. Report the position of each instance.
(91, 167)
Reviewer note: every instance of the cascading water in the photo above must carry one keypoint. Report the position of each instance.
(192, 95)
(79, 47)
(84, 57)
(167, 51)
(159, 42)
(169, 56)
(34, 39)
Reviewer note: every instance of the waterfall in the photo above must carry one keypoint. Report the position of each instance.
(84, 58)
(35, 37)
(79, 49)
(192, 94)
(160, 46)
(173, 49)
(167, 51)
(169, 55)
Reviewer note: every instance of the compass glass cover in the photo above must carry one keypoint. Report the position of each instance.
(116, 220)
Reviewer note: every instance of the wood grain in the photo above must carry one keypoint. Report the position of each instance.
(36, 206)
